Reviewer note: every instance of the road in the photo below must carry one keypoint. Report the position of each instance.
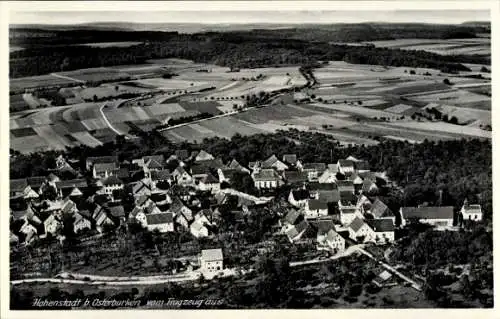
(345, 253)
(66, 77)
(202, 120)
(107, 122)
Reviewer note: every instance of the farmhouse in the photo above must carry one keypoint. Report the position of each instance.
(237, 166)
(296, 178)
(315, 208)
(209, 183)
(471, 212)
(313, 170)
(361, 231)
(329, 176)
(211, 260)
(292, 218)
(383, 228)
(181, 176)
(17, 187)
(436, 216)
(267, 179)
(103, 170)
(299, 197)
(290, 159)
(379, 210)
(164, 222)
(332, 240)
(345, 167)
(198, 228)
(203, 156)
(295, 232)
(80, 223)
(226, 175)
(345, 186)
(111, 184)
(274, 162)
(348, 214)
(91, 161)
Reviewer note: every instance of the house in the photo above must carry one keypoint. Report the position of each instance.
(117, 213)
(274, 162)
(315, 208)
(203, 156)
(290, 159)
(81, 222)
(295, 232)
(345, 167)
(198, 228)
(347, 199)
(226, 175)
(51, 225)
(328, 196)
(316, 188)
(153, 163)
(329, 175)
(332, 240)
(181, 155)
(379, 210)
(237, 166)
(209, 183)
(471, 212)
(181, 176)
(164, 222)
(17, 187)
(66, 187)
(140, 189)
(161, 176)
(313, 170)
(199, 171)
(348, 214)
(211, 260)
(298, 197)
(369, 187)
(101, 218)
(345, 186)
(36, 182)
(361, 166)
(384, 230)
(68, 207)
(29, 231)
(111, 184)
(439, 217)
(267, 178)
(360, 231)
(292, 218)
(91, 161)
(296, 178)
(103, 170)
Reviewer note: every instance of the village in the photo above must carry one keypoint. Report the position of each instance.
(335, 205)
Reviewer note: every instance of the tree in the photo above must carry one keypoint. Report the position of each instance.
(412, 72)
(447, 81)
(454, 120)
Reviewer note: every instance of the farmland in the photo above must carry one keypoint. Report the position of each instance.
(360, 104)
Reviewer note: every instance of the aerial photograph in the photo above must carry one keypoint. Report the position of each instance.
(293, 159)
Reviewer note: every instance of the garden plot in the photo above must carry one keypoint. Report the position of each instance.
(127, 114)
(86, 139)
(38, 81)
(111, 44)
(158, 109)
(437, 127)
(94, 124)
(456, 97)
(355, 110)
(53, 139)
(399, 108)
(29, 144)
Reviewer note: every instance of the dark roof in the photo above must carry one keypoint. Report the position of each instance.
(122, 172)
(157, 158)
(314, 166)
(105, 167)
(322, 186)
(102, 159)
(379, 209)
(381, 225)
(361, 165)
(356, 224)
(36, 181)
(367, 184)
(17, 185)
(210, 179)
(442, 212)
(302, 226)
(158, 197)
(199, 169)
(112, 180)
(324, 226)
(80, 183)
(270, 161)
(117, 211)
(292, 216)
(182, 154)
(229, 173)
(160, 175)
(329, 196)
(294, 176)
(346, 163)
(315, 204)
(348, 197)
(300, 194)
(290, 158)
(160, 218)
(346, 183)
(266, 174)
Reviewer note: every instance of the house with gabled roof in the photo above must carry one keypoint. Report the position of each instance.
(296, 178)
(267, 178)
(332, 240)
(209, 183)
(345, 186)
(329, 175)
(290, 159)
(274, 162)
(234, 164)
(471, 212)
(299, 197)
(348, 214)
(198, 228)
(379, 210)
(181, 176)
(347, 199)
(91, 161)
(292, 218)
(361, 231)
(51, 224)
(164, 222)
(17, 186)
(383, 228)
(361, 166)
(226, 175)
(101, 219)
(369, 187)
(211, 260)
(313, 170)
(139, 189)
(440, 216)
(29, 231)
(203, 156)
(345, 167)
(110, 184)
(315, 208)
(117, 213)
(103, 170)
(182, 155)
(295, 233)
(81, 222)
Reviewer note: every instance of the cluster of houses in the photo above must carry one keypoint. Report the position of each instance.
(337, 202)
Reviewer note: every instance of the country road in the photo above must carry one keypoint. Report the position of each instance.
(66, 77)
(107, 122)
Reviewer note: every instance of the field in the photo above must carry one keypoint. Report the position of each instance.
(480, 46)
(359, 104)
(111, 44)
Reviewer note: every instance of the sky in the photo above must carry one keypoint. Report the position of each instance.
(264, 12)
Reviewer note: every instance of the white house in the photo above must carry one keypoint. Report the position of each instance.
(211, 260)
(359, 230)
(383, 228)
(181, 176)
(298, 197)
(203, 156)
(209, 183)
(332, 240)
(348, 214)
(111, 184)
(267, 178)
(315, 208)
(274, 162)
(198, 228)
(80, 223)
(51, 225)
(471, 212)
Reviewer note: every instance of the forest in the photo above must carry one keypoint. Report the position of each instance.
(268, 48)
